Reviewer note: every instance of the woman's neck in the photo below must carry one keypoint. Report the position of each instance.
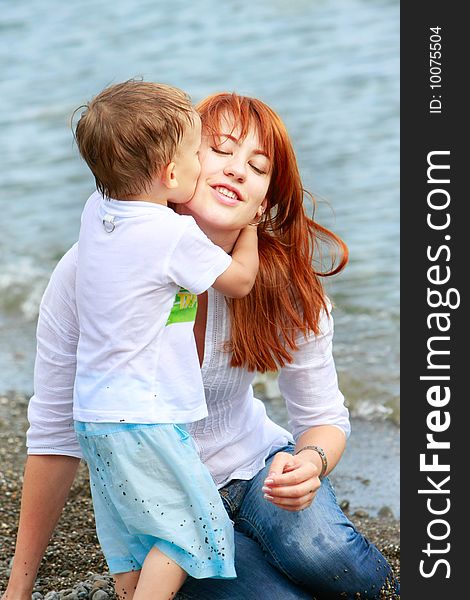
(224, 238)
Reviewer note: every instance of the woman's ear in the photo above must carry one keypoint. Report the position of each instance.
(168, 177)
(262, 208)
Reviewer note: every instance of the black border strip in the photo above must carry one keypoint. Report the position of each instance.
(434, 568)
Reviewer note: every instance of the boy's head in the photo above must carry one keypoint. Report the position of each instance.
(135, 131)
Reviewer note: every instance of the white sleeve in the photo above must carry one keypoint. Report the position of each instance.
(310, 383)
(196, 262)
(50, 413)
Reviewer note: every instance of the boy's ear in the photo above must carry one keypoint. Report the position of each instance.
(169, 176)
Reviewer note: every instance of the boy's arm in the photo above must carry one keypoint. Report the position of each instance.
(47, 481)
(239, 278)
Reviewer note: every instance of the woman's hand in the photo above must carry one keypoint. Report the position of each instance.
(292, 481)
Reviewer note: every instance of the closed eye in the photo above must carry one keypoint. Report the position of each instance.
(222, 153)
(217, 151)
(256, 170)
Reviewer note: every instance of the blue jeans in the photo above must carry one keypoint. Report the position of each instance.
(281, 555)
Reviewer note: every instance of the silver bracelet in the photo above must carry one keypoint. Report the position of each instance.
(321, 452)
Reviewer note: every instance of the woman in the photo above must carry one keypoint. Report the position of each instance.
(292, 539)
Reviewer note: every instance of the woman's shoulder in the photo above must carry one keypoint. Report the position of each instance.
(61, 284)
(66, 268)
(325, 319)
(314, 345)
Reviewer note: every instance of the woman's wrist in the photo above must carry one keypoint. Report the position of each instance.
(317, 456)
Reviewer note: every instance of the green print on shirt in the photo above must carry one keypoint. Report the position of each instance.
(184, 308)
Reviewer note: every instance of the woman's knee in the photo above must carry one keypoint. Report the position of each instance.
(320, 549)
(337, 563)
(317, 548)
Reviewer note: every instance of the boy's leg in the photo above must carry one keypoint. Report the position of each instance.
(160, 578)
(125, 584)
(318, 548)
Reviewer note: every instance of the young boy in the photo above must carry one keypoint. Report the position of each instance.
(157, 510)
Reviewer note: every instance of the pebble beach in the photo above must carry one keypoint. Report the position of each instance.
(73, 567)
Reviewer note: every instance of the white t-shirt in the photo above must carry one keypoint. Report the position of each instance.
(237, 435)
(140, 267)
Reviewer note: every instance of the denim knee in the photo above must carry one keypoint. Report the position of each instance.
(337, 563)
(317, 548)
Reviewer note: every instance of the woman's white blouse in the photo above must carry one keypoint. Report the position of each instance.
(237, 436)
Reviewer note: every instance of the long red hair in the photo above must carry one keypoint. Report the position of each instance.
(288, 295)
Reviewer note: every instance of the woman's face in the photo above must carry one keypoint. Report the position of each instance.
(235, 175)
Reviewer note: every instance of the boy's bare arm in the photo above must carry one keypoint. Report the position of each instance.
(238, 279)
(47, 481)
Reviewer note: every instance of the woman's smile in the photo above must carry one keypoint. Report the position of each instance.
(227, 194)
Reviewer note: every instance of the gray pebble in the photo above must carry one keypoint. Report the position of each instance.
(100, 584)
(385, 512)
(99, 595)
(8, 569)
(96, 587)
(81, 591)
(65, 573)
(362, 514)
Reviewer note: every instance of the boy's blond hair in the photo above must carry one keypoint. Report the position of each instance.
(129, 132)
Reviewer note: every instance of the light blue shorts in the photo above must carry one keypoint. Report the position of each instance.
(150, 488)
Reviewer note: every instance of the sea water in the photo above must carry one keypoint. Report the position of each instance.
(329, 68)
